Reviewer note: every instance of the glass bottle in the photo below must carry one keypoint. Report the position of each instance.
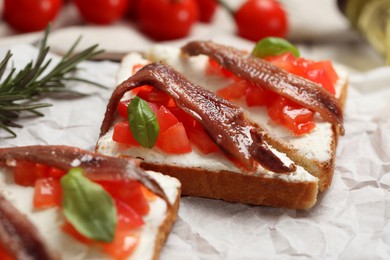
(372, 19)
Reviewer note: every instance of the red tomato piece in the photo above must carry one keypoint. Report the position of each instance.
(158, 97)
(288, 62)
(166, 20)
(327, 66)
(41, 171)
(258, 96)
(213, 67)
(202, 140)
(319, 76)
(30, 15)
(174, 140)
(129, 192)
(126, 236)
(234, 90)
(188, 121)
(122, 134)
(72, 231)
(142, 88)
(24, 173)
(56, 173)
(165, 119)
(206, 9)
(257, 19)
(4, 255)
(47, 193)
(293, 116)
(122, 108)
(102, 11)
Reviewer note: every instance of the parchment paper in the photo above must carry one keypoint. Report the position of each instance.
(350, 220)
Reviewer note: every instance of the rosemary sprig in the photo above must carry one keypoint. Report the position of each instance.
(21, 91)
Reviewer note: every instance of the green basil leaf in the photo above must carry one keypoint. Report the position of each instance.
(88, 207)
(143, 122)
(272, 46)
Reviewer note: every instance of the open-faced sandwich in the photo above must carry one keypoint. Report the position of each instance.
(270, 140)
(60, 202)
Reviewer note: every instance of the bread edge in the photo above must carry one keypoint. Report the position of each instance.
(165, 228)
(242, 188)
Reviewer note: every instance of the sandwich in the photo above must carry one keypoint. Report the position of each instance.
(199, 139)
(65, 202)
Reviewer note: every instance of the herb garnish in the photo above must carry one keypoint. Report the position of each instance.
(143, 122)
(21, 90)
(88, 206)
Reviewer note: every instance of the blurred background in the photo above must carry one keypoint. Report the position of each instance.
(318, 27)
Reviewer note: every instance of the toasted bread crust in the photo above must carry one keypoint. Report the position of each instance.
(165, 228)
(235, 187)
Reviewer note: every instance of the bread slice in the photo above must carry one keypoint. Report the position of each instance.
(315, 151)
(158, 222)
(213, 175)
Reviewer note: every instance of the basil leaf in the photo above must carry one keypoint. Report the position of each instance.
(143, 122)
(88, 207)
(272, 46)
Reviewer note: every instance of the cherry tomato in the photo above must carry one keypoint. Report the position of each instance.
(102, 11)
(206, 9)
(257, 19)
(30, 15)
(166, 19)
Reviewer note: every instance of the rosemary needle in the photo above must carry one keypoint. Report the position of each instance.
(21, 91)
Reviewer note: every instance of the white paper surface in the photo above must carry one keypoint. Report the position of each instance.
(350, 221)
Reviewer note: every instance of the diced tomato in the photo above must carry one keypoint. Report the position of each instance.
(258, 96)
(174, 140)
(144, 88)
(56, 173)
(165, 118)
(293, 116)
(126, 236)
(286, 61)
(188, 121)
(24, 173)
(156, 96)
(41, 171)
(72, 231)
(122, 108)
(234, 90)
(213, 68)
(320, 77)
(327, 66)
(47, 193)
(126, 233)
(202, 140)
(4, 255)
(122, 134)
(129, 192)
